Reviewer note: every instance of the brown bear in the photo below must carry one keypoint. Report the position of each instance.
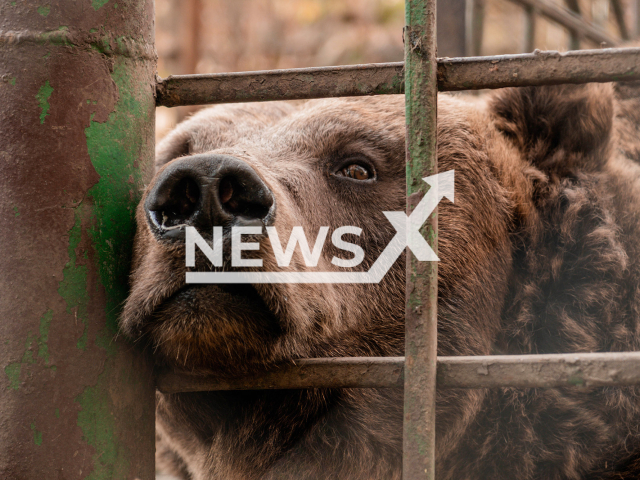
(538, 254)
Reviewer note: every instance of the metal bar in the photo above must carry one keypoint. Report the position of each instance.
(452, 34)
(495, 371)
(421, 93)
(290, 84)
(470, 73)
(476, 15)
(618, 11)
(570, 21)
(530, 29)
(539, 68)
(191, 11)
(575, 37)
(77, 116)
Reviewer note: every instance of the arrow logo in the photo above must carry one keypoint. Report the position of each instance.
(407, 234)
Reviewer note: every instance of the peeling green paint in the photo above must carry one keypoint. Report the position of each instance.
(114, 148)
(43, 100)
(97, 426)
(13, 372)
(12, 81)
(15, 211)
(57, 413)
(28, 352)
(73, 287)
(45, 324)
(37, 435)
(113, 153)
(44, 10)
(97, 4)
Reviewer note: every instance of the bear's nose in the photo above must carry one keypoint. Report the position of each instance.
(207, 190)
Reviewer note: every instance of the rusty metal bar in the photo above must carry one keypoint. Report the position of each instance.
(451, 26)
(539, 68)
(530, 29)
(421, 93)
(470, 73)
(290, 84)
(495, 371)
(575, 37)
(618, 11)
(475, 21)
(570, 21)
(77, 116)
(357, 372)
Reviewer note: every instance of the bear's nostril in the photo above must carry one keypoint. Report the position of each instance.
(177, 205)
(226, 190)
(249, 200)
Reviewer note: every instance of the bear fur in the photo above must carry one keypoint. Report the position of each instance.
(539, 254)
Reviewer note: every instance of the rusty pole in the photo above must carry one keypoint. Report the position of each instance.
(77, 117)
(421, 91)
(468, 73)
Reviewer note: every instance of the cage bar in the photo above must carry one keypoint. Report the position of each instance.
(287, 84)
(454, 74)
(574, 37)
(539, 68)
(579, 370)
(618, 11)
(570, 21)
(421, 95)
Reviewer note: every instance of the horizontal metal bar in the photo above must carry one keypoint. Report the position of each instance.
(520, 371)
(539, 68)
(291, 84)
(470, 73)
(569, 20)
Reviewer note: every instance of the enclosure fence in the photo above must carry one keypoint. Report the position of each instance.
(419, 78)
(111, 398)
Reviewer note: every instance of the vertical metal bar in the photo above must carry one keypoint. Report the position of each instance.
(618, 11)
(475, 22)
(190, 32)
(574, 37)
(451, 28)
(530, 28)
(422, 289)
(77, 115)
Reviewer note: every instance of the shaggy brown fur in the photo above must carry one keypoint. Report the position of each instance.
(538, 255)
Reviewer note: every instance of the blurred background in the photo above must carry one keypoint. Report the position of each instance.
(210, 36)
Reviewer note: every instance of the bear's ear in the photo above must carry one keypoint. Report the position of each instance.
(176, 144)
(560, 129)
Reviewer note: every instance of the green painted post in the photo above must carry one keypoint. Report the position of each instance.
(77, 116)
(422, 287)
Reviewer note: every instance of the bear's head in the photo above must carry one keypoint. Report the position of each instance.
(341, 162)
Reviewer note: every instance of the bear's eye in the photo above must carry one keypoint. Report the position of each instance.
(356, 171)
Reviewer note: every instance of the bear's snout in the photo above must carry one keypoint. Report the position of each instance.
(204, 191)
